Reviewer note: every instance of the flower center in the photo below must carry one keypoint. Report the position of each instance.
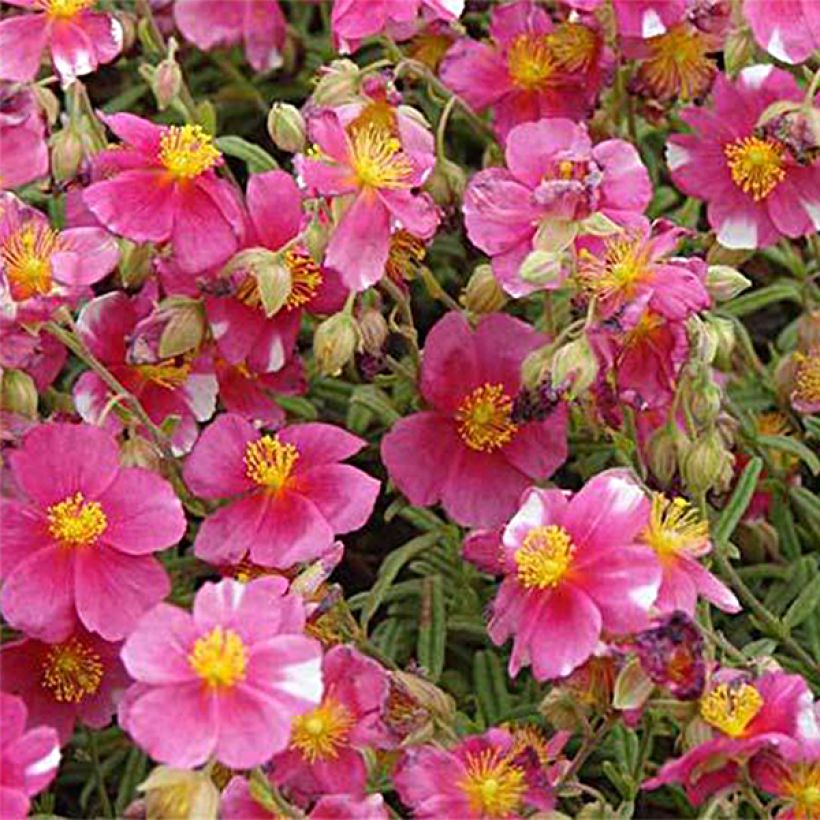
(75, 522)
(677, 64)
(624, 266)
(530, 62)
(484, 418)
(165, 374)
(807, 378)
(493, 786)
(305, 278)
(26, 257)
(675, 527)
(731, 708)
(72, 671)
(756, 165)
(187, 151)
(405, 256)
(574, 46)
(320, 733)
(803, 786)
(269, 462)
(377, 159)
(219, 658)
(545, 557)
(65, 8)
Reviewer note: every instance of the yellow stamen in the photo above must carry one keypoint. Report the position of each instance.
(269, 462)
(75, 522)
(72, 671)
(574, 46)
(377, 159)
(530, 62)
(807, 377)
(187, 151)
(484, 418)
(675, 527)
(377, 114)
(64, 9)
(544, 557)
(305, 278)
(803, 787)
(26, 256)
(219, 658)
(320, 733)
(757, 165)
(405, 257)
(165, 374)
(677, 65)
(643, 330)
(731, 707)
(624, 266)
(493, 786)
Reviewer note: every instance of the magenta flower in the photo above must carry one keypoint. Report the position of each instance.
(233, 673)
(788, 29)
(28, 758)
(574, 568)
(757, 189)
(24, 157)
(290, 493)
(77, 543)
(792, 773)
(467, 451)
(553, 174)
(78, 679)
(375, 167)
(258, 24)
(639, 18)
(161, 186)
(78, 39)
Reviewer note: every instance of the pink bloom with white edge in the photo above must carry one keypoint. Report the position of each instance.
(746, 717)
(161, 186)
(42, 268)
(24, 157)
(28, 758)
(290, 495)
(78, 39)
(553, 174)
(374, 167)
(639, 18)
(573, 569)
(788, 29)
(756, 190)
(78, 679)
(233, 674)
(258, 24)
(78, 542)
(467, 451)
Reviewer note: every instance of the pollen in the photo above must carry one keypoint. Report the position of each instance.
(26, 256)
(484, 418)
(166, 374)
(187, 151)
(320, 733)
(675, 527)
(405, 257)
(72, 671)
(305, 276)
(731, 708)
(531, 63)
(807, 378)
(377, 159)
(625, 264)
(75, 522)
(219, 658)
(269, 462)
(802, 785)
(494, 787)
(677, 65)
(757, 165)
(545, 557)
(64, 9)
(574, 46)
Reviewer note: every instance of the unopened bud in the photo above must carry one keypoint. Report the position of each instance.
(738, 50)
(483, 294)
(338, 83)
(66, 153)
(374, 331)
(272, 275)
(286, 127)
(707, 464)
(316, 237)
(574, 367)
(446, 183)
(179, 794)
(139, 452)
(48, 102)
(135, 263)
(167, 82)
(18, 393)
(544, 269)
(334, 343)
(705, 401)
(663, 451)
(724, 332)
(808, 330)
(416, 708)
(535, 368)
(724, 282)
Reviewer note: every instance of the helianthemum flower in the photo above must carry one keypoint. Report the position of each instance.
(788, 29)
(791, 773)
(78, 541)
(22, 134)
(233, 674)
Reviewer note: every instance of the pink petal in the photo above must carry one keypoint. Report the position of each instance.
(711, 587)
(105, 322)
(539, 448)
(677, 590)
(501, 344)
(138, 132)
(476, 72)
(450, 368)
(105, 32)
(344, 495)
(22, 40)
(626, 185)
(320, 443)
(209, 23)
(72, 50)
(98, 252)
(225, 536)
(23, 531)
(275, 205)
(264, 30)
(416, 213)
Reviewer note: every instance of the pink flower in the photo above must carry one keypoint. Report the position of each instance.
(553, 175)
(40, 355)
(28, 759)
(756, 188)
(24, 157)
(234, 674)
(791, 773)
(468, 451)
(574, 568)
(788, 29)
(639, 18)
(76, 679)
(79, 39)
(746, 717)
(258, 24)
(43, 268)
(77, 543)
(290, 494)
(161, 186)
(373, 165)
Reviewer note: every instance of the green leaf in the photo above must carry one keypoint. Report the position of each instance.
(761, 297)
(804, 605)
(741, 497)
(257, 159)
(787, 444)
(432, 637)
(376, 401)
(807, 505)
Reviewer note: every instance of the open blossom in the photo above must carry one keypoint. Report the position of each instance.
(374, 162)
(554, 174)
(78, 38)
(233, 674)
(788, 29)
(258, 24)
(792, 773)
(24, 157)
(805, 373)
(573, 568)
(639, 18)
(77, 542)
(79, 678)
(746, 717)
(756, 189)
(466, 451)
(161, 185)
(290, 495)
(28, 758)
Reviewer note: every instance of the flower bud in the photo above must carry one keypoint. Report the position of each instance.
(272, 275)
(139, 452)
(663, 452)
(808, 330)
(483, 294)
(373, 331)
(535, 368)
(705, 400)
(315, 238)
(707, 464)
(738, 50)
(724, 282)
(416, 708)
(179, 794)
(446, 183)
(135, 263)
(338, 84)
(334, 343)
(286, 127)
(166, 82)
(48, 102)
(66, 153)
(574, 367)
(544, 269)
(723, 330)
(18, 393)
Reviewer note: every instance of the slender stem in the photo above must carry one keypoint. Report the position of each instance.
(441, 129)
(587, 747)
(105, 802)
